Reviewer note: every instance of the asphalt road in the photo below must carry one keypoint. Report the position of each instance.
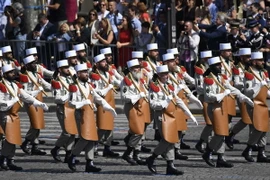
(44, 167)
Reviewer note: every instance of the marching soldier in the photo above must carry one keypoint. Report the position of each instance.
(83, 97)
(72, 61)
(109, 58)
(217, 88)
(40, 67)
(257, 87)
(139, 55)
(164, 101)
(65, 114)
(152, 58)
(10, 96)
(34, 85)
(200, 69)
(82, 55)
(104, 81)
(238, 77)
(137, 110)
(8, 58)
(169, 60)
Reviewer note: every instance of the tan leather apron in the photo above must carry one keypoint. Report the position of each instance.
(70, 121)
(36, 114)
(205, 113)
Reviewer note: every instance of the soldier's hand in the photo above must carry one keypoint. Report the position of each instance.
(170, 97)
(227, 92)
(263, 83)
(194, 120)
(249, 102)
(113, 112)
(142, 94)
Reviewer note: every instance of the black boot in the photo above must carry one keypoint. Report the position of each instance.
(255, 147)
(42, 142)
(207, 157)
(12, 166)
(229, 140)
(115, 143)
(137, 158)
(247, 154)
(55, 154)
(25, 147)
(171, 170)
(126, 156)
(150, 161)
(157, 136)
(183, 145)
(199, 146)
(68, 153)
(221, 162)
(126, 139)
(89, 167)
(145, 149)
(3, 163)
(71, 162)
(179, 155)
(36, 151)
(261, 157)
(107, 152)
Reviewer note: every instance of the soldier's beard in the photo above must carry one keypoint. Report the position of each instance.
(136, 75)
(259, 67)
(104, 68)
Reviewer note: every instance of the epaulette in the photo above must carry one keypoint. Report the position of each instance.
(224, 76)
(89, 65)
(145, 66)
(23, 78)
(40, 74)
(3, 88)
(43, 65)
(180, 75)
(95, 76)
(198, 70)
(127, 81)
(142, 81)
(16, 63)
(111, 73)
(208, 81)
(20, 86)
(154, 87)
(249, 76)
(56, 84)
(113, 66)
(235, 71)
(72, 88)
(93, 85)
(170, 86)
(266, 73)
(183, 69)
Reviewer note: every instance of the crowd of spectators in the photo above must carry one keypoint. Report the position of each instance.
(128, 25)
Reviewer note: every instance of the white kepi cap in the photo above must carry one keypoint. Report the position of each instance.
(6, 49)
(71, 53)
(81, 67)
(256, 55)
(213, 60)
(134, 62)
(168, 56)
(162, 69)
(29, 59)
(137, 54)
(30, 51)
(206, 54)
(107, 50)
(244, 51)
(62, 63)
(152, 46)
(1, 54)
(79, 47)
(173, 50)
(7, 68)
(99, 57)
(225, 46)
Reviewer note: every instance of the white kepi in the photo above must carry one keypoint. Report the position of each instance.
(162, 69)
(81, 67)
(99, 58)
(256, 55)
(244, 51)
(136, 54)
(71, 53)
(7, 68)
(31, 51)
(206, 54)
(167, 57)
(107, 50)
(225, 46)
(62, 63)
(6, 49)
(214, 60)
(79, 47)
(152, 46)
(173, 50)
(132, 63)
(29, 59)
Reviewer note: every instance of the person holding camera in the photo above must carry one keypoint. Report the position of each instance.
(17, 24)
(188, 44)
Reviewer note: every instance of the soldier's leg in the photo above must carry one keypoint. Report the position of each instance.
(183, 145)
(107, 137)
(89, 156)
(205, 134)
(261, 157)
(178, 154)
(239, 126)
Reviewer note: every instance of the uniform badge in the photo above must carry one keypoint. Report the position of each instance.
(124, 90)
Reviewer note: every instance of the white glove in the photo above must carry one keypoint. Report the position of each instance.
(169, 98)
(86, 102)
(194, 120)
(35, 92)
(106, 90)
(227, 92)
(16, 99)
(40, 88)
(196, 101)
(249, 102)
(65, 97)
(142, 95)
(268, 93)
(263, 83)
(110, 86)
(42, 105)
(113, 112)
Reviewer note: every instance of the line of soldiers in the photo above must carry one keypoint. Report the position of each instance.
(153, 91)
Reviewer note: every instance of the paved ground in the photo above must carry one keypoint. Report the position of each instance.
(43, 167)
